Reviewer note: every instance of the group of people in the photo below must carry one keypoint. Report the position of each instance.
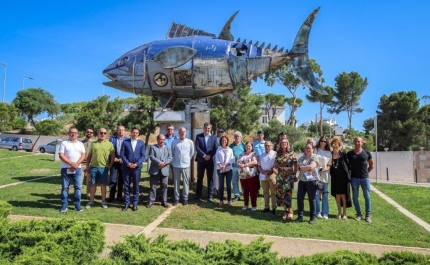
(254, 165)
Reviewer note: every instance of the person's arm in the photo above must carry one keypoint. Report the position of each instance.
(191, 149)
(111, 160)
(87, 166)
(253, 162)
(370, 165)
(122, 154)
(142, 155)
(309, 167)
(198, 147)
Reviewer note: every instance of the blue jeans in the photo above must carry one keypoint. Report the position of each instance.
(324, 201)
(227, 176)
(65, 182)
(303, 188)
(365, 185)
(235, 181)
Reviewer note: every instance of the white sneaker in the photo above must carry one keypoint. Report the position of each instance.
(325, 217)
(89, 205)
(254, 209)
(244, 208)
(104, 205)
(319, 216)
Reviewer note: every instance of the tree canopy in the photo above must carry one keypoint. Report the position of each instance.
(399, 125)
(347, 94)
(34, 101)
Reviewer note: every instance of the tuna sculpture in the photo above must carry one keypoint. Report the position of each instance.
(194, 64)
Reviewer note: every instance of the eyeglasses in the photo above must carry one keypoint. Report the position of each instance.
(102, 132)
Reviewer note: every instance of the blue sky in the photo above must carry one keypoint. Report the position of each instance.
(65, 46)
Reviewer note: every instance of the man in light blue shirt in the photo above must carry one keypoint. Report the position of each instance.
(170, 135)
(182, 152)
(259, 144)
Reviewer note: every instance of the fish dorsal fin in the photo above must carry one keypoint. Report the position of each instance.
(178, 30)
(225, 33)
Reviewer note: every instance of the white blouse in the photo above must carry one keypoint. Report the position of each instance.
(224, 156)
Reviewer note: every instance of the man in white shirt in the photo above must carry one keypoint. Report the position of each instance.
(71, 154)
(267, 177)
(182, 152)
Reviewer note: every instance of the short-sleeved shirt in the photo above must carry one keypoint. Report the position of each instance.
(359, 163)
(259, 147)
(72, 150)
(237, 150)
(101, 153)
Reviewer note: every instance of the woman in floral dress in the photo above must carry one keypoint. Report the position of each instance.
(285, 168)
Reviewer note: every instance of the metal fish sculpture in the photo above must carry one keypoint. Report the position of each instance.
(193, 64)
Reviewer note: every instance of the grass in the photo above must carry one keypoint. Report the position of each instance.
(389, 225)
(415, 199)
(8, 154)
(42, 198)
(27, 168)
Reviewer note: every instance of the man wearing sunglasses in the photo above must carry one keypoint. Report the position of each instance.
(87, 142)
(99, 161)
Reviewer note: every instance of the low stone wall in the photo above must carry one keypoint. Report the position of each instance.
(402, 166)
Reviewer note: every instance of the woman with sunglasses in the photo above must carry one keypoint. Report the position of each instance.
(322, 150)
(285, 168)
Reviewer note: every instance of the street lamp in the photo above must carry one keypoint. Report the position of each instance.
(4, 80)
(23, 78)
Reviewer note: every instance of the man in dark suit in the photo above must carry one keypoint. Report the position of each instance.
(132, 155)
(161, 157)
(206, 148)
(116, 177)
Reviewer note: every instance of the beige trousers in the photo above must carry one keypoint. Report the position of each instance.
(269, 185)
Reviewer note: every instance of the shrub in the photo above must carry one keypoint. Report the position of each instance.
(5, 209)
(344, 257)
(403, 257)
(67, 240)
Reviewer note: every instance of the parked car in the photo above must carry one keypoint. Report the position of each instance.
(17, 143)
(48, 148)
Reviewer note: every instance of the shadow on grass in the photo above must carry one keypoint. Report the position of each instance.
(45, 180)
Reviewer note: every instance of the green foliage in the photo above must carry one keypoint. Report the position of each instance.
(141, 114)
(229, 113)
(286, 76)
(8, 113)
(404, 258)
(51, 241)
(5, 209)
(48, 127)
(18, 123)
(369, 125)
(338, 257)
(369, 143)
(347, 94)
(424, 117)
(34, 101)
(399, 125)
(272, 101)
(100, 113)
(274, 127)
(325, 129)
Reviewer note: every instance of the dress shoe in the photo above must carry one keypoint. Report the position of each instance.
(109, 200)
(312, 221)
(120, 199)
(149, 205)
(185, 202)
(266, 210)
(175, 203)
(125, 208)
(165, 205)
(134, 208)
(299, 220)
(274, 211)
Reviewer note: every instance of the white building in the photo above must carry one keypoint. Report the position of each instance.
(266, 115)
(332, 122)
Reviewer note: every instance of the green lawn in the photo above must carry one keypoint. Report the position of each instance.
(8, 153)
(389, 225)
(42, 198)
(27, 167)
(414, 198)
